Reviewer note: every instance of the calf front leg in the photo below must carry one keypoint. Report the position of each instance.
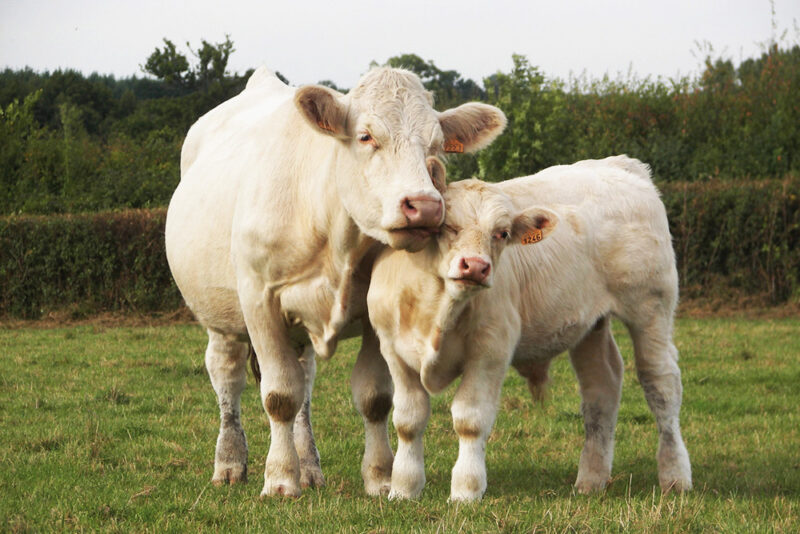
(371, 384)
(226, 362)
(598, 367)
(474, 410)
(411, 412)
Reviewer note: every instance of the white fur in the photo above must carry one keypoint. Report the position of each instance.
(606, 251)
(278, 206)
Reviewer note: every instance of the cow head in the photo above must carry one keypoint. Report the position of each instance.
(387, 170)
(480, 222)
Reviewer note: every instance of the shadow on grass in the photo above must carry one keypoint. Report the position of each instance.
(760, 477)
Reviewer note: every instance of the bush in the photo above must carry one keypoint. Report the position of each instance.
(737, 237)
(731, 239)
(85, 263)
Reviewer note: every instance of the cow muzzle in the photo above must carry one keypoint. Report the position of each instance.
(422, 211)
(423, 215)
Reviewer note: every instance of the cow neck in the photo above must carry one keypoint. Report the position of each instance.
(346, 246)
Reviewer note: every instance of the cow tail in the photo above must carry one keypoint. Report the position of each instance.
(254, 364)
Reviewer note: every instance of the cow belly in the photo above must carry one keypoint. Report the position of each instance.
(198, 251)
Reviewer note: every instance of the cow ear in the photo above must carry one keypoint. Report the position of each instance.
(470, 127)
(438, 173)
(323, 109)
(533, 225)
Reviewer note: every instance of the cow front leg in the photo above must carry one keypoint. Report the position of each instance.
(598, 367)
(412, 409)
(657, 368)
(474, 410)
(371, 384)
(226, 363)
(310, 469)
(282, 387)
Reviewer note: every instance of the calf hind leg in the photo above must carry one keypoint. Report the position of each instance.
(226, 362)
(598, 367)
(660, 377)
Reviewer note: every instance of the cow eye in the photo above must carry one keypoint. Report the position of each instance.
(501, 235)
(366, 139)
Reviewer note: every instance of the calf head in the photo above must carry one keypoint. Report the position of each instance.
(480, 222)
(387, 170)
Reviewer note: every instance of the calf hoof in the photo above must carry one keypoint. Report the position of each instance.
(400, 495)
(229, 474)
(467, 488)
(588, 485)
(377, 481)
(678, 486)
(465, 496)
(311, 476)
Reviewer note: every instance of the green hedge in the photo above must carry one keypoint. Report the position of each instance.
(732, 239)
(737, 238)
(85, 263)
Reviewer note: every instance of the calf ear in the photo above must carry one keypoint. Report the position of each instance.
(323, 109)
(532, 225)
(470, 127)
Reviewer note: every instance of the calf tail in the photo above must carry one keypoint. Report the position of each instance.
(254, 364)
(631, 165)
(539, 390)
(538, 376)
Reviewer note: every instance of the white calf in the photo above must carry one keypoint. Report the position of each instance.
(605, 251)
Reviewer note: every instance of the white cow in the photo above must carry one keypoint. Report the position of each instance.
(284, 193)
(464, 307)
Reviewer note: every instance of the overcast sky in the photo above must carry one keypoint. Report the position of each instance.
(312, 40)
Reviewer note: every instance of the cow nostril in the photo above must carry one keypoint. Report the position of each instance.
(464, 265)
(408, 207)
(485, 271)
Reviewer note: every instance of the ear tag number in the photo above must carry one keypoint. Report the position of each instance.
(454, 145)
(534, 236)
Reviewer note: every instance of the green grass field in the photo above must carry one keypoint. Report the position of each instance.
(106, 429)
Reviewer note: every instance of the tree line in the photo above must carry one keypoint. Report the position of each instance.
(76, 143)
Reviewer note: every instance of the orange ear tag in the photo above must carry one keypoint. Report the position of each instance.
(454, 145)
(534, 236)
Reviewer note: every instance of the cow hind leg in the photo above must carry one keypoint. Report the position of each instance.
(371, 384)
(598, 367)
(226, 362)
(658, 372)
(310, 469)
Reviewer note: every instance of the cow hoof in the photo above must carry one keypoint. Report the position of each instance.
(311, 476)
(280, 490)
(230, 475)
